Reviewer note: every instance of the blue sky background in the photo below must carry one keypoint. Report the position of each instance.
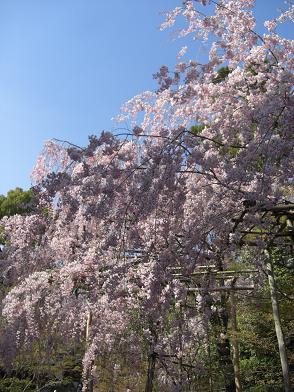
(66, 67)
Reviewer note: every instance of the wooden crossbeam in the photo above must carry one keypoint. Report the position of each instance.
(280, 208)
(187, 279)
(221, 288)
(226, 273)
(200, 267)
(288, 233)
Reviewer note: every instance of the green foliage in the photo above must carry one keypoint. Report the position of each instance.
(17, 201)
(44, 370)
(222, 74)
(231, 152)
(64, 385)
(259, 354)
(251, 68)
(14, 384)
(197, 129)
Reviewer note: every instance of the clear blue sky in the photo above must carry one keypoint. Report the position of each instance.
(66, 67)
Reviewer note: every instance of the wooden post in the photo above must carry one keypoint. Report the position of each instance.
(278, 324)
(90, 381)
(235, 343)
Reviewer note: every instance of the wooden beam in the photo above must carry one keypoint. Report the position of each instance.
(217, 273)
(221, 288)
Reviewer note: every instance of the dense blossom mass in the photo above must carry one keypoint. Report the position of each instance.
(117, 218)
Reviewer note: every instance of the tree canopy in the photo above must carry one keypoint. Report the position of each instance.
(17, 201)
(142, 227)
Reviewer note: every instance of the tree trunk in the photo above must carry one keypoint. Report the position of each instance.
(90, 383)
(278, 326)
(151, 372)
(223, 348)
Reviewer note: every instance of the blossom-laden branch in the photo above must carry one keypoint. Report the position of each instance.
(178, 191)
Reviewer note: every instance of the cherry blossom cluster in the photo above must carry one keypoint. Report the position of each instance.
(117, 218)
